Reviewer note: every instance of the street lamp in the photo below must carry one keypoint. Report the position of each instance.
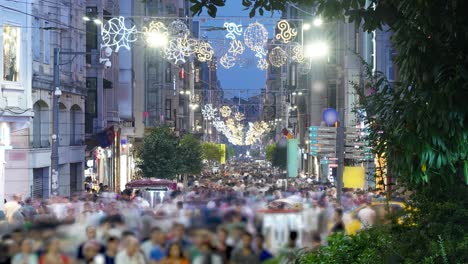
(156, 39)
(316, 50)
(317, 22)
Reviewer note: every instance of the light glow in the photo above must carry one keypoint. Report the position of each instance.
(316, 50)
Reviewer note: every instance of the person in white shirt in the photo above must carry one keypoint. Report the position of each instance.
(11, 207)
(152, 242)
(367, 216)
(131, 254)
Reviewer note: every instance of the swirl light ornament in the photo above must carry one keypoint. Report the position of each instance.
(178, 28)
(260, 52)
(156, 34)
(233, 30)
(236, 47)
(255, 36)
(277, 57)
(209, 112)
(227, 61)
(225, 111)
(297, 54)
(287, 33)
(204, 51)
(115, 34)
(262, 64)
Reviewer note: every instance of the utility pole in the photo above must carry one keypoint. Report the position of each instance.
(340, 141)
(54, 157)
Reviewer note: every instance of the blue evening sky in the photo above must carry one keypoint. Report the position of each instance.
(243, 81)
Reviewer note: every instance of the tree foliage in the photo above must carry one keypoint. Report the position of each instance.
(211, 151)
(189, 153)
(230, 152)
(270, 151)
(158, 155)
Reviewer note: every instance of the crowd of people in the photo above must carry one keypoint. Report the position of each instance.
(216, 219)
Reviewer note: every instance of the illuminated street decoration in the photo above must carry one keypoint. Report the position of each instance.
(233, 30)
(227, 61)
(176, 51)
(115, 34)
(304, 68)
(239, 116)
(236, 47)
(255, 36)
(277, 57)
(262, 64)
(255, 132)
(287, 33)
(298, 54)
(156, 34)
(225, 111)
(209, 112)
(178, 28)
(204, 51)
(260, 52)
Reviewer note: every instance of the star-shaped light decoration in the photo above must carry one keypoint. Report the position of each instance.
(209, 112)
(116, 34)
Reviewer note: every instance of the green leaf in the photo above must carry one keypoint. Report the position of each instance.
(218, 2)
(252, 13)
(212, 10)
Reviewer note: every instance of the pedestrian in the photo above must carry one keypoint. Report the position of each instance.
(367, 215)
(338, 226)
(52, 254)
(11, 207)
(131, 253)
(245, 254)
(175, 255)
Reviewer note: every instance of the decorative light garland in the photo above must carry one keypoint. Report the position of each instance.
(277, 57)
(298, 54)
(262, 64)
(236, 47)
(255, 36)
(115, 34)
(204, 51)
(209, 112)
(225, 111)
(178, 28)
(287, 33)
(233, 30)
(227, 61)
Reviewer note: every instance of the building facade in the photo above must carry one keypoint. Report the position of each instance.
(16, 103)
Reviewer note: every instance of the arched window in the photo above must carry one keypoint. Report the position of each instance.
(63, 125)
(41, 125)
(76, 125)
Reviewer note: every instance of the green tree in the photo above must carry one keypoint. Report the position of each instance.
(211, 152)
(230, 152)
(158, 155)
(189, 153)
(280, 157)
(270, 152)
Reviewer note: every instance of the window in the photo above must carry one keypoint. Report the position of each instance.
(36, 39)
(168, 112)
(11, 53)
(76, 126)
(197, 75)
(90, 104)
(46, 43)
(41, 125)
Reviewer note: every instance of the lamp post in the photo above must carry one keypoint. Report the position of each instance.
(57, 92)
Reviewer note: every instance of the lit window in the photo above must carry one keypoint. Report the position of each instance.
(11, 53)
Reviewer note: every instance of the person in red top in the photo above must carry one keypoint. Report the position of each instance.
(52, 253)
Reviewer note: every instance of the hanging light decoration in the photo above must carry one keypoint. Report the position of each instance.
(227, 61)
(262, 64)
(255, 36)
(116, 34)
(236, 47)
(175, 51)
(297, 54)
(225, 111)
(204, 51)
(209, 112)
(286, 32)
(239, 116)
(277, 57)
(178, 28)
(233, 30)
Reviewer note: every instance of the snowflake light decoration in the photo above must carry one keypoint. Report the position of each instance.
(233, 29)
(298, 54)
(115, 34)
(255, 36)
(209, 112)
(262, 64)
(156, 33)
(239, 116)
(178, 28)
(304, 68)
(286, 32)
(236, 47)
(277, 57)
(227, 61)
(204, 51)
(176, 51)
(255, 132)
(225, 111)
(260, 52)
